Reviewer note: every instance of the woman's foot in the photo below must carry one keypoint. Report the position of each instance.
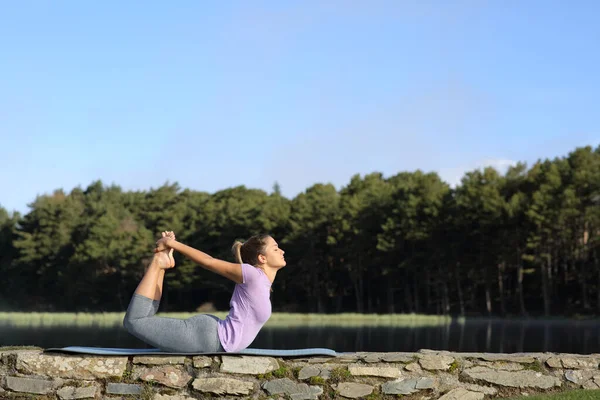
(162, 243)
(164, 259)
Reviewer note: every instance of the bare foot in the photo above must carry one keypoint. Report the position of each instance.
(162, 243)
(164, 259)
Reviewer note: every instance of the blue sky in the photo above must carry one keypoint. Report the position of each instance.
(217, 94)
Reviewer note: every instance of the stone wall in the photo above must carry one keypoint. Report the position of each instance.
(27, 374)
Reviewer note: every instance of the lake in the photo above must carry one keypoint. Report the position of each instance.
(471, 335)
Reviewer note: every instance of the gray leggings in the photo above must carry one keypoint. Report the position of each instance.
(197, 334)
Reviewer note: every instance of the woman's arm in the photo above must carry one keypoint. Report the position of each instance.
(224, 268)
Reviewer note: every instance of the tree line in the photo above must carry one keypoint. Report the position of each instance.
(525, 242)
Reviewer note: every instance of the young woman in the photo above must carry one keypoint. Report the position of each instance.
(258, 261)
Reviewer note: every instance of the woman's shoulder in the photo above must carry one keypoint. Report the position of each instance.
(252, 274)
(249, 272)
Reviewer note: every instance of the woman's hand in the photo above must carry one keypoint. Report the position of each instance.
(163, 243)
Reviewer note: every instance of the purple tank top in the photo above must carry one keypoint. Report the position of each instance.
(250, 309)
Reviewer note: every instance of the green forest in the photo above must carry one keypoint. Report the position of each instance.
(522, 243)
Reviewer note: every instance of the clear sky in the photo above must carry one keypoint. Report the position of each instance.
(217, 94)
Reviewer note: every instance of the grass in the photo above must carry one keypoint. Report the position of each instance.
(572, 395)
(282, 320)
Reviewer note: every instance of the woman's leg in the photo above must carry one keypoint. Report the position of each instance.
(152, 283)
(196, 334)
(146, 299)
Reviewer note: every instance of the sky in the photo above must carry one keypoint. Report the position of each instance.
(213, 95)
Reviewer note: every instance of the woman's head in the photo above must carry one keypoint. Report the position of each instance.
(260, 251)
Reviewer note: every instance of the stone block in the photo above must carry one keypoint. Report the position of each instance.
(153, 360)
(172, 397)
(516, 358)
(435, 362)
(353, 390)
(502, 365)
(223, 386)
(202, 361)
(295, 391)
(518, 379)
(29, 385)
(407, 386)
(72, 392)
(579, 376)
(346, 358)
(248, 365)
(448, 382)
(413, 367)
(462, 394)
(175, 376)
(70, 366)
(554, 362)
(123, 388)
(383, 371)
(580, 362)
(308, 372)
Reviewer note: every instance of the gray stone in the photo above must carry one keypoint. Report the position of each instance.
(248, 365)
(593, 383)
(433, 362)
(319, 360)
(4, 366)
(29, 385)
(153, 360)
(175, 376)
(72, 392)
(172, 397)
(554, 362)
(425, 383)
(372, 357)
(325, 372)
(399, 357)
(448, 382)
(407, 386)
(123, 388)
(384, 371)
(579, 376)
(522, 359)
(502, 365)
(580, 362)
(86, 367)
(413, 367)
(518, 379)
(202, 362)
(590, 385)
(309, 372)
(296, 391)
(573, 362)
(222, 386)
(353, 390)
(462, 394)
(346, 358)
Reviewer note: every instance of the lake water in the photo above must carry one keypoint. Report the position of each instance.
(498, 336)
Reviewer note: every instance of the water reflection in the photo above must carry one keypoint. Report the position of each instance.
(498, 336)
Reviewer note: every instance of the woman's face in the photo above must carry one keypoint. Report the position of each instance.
(274, 255)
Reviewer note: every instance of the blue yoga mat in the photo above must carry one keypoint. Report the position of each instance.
(107, 351)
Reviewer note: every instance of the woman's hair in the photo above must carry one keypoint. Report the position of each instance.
(247, 252)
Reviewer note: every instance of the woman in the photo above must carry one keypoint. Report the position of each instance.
(258, 261)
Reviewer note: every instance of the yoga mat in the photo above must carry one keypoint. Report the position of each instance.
(107, 351)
